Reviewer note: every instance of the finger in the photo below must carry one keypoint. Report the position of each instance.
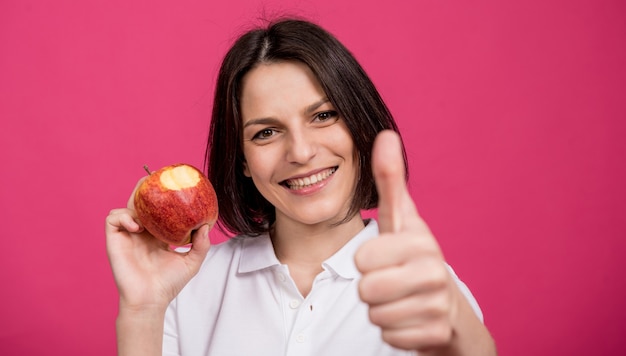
(422, 338)
(411, 311)
(405, 247)
(200, 246)
(131, 199)
(389, 174)
(122, 219)
(424, 275)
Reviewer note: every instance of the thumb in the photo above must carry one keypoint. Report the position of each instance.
(200, 245)
(394, 201)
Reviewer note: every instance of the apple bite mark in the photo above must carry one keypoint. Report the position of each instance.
(180, 177)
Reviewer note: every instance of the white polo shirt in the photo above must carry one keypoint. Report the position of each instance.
(244, 302)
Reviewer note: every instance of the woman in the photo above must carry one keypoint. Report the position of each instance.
(293, 160)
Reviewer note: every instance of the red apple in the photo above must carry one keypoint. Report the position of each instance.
(174, 201)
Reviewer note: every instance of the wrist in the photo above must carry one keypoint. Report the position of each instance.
(140, 330)
(146, 317)
(128, 307)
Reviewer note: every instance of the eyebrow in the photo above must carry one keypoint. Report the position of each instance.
(316, 105)
(268, 120)
(261, 121)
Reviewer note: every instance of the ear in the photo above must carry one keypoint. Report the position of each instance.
(246, 171)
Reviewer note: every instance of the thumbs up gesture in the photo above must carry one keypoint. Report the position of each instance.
(411, 295)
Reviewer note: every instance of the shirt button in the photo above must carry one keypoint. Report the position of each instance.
(282, 277)
(294, 304)
(300, 338)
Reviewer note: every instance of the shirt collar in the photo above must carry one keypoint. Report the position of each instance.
(342, 262)
(258, 253)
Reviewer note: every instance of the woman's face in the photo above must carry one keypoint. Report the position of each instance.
(298, 150)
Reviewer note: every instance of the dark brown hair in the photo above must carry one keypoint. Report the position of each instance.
(243, 210)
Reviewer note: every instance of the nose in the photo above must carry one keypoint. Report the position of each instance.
(301, 147)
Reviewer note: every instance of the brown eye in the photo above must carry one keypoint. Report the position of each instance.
(327, 116)
(264, 134)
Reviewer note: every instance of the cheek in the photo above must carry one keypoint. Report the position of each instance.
(348, 149)
(353, 155)
(258, 164)
(345, 140)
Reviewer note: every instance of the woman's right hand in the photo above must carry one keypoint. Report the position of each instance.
(147, 272)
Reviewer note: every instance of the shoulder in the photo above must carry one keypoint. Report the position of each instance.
(243, 253)
(230, 247)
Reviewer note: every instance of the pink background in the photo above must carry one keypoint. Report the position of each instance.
(514, 113)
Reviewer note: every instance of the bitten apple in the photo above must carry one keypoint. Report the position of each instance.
(174, 201)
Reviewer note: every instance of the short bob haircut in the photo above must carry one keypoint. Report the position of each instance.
(243, 210)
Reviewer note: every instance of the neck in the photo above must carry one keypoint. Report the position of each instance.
(303, 248)
(312, 243)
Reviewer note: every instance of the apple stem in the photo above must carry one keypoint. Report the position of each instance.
(145, 166)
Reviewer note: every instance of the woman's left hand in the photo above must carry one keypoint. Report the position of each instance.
(405, 281)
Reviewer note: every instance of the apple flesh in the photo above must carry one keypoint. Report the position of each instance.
(174, 201)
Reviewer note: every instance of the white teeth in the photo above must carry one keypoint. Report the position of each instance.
(300, 183)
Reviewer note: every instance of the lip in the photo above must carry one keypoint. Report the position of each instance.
(311, 187)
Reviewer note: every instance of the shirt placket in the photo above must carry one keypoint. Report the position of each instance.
(299, 313)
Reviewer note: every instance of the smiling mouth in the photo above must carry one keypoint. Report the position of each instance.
(304, 182)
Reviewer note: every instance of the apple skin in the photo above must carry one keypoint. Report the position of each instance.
(174, 201)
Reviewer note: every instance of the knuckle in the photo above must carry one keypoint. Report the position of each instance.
(440, 333)
(360, 258)
(403, 339)
(365, 290)
(437, 276)
(114, 211)
(440, 306)
(111, 217)
(390, 338)
(376, 316)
